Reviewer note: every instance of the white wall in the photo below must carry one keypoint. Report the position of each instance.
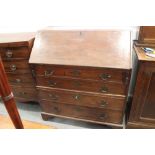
(32, 15)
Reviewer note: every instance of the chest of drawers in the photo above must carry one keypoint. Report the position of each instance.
(15, 51)
(82, 75)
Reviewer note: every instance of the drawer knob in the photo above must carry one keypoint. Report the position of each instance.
(18, 80)
(77, 97)
(48, 73)
(13, 67)
(78, 109)
(105, 76)
(77, 84)
(103, 104)
(53, 97)
(104, 89)
(9, 54)
(103, 116)
(75, 72)
(23, 93)
(56, 109)
(52, 84)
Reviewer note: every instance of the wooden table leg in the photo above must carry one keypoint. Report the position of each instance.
(7, 97)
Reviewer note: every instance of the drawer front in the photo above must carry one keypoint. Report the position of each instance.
(82, 99)
(21, 66)
(25, 100)
(19, 79)
(83, 85)
(101, 74)
(25, 92)
(93, 114)
(15, 53)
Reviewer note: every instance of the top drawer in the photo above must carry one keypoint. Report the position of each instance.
(102, 74)
(15, 53)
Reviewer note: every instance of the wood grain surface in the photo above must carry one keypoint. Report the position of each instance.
(16, 39)
(98, 48)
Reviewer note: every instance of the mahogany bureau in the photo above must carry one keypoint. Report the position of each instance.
(15, 50)
(82, 74)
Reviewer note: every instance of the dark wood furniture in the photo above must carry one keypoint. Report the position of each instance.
(142, 114)
(82, 74)
(147, 35)
(8, 98)
(15, 50)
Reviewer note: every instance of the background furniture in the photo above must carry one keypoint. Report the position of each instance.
(8, 98)
(15, 50)
(142, 114)
(82, 75)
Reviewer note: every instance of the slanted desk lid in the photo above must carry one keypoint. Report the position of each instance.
(147, 35)
(16, 39)
(94, 48)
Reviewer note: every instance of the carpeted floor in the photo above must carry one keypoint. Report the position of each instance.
(31, 112)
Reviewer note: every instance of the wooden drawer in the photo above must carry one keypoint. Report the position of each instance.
(29, 93)
(83, 85)
(26, 100)
(15, 53)
(82, 99)
(18, 66)
(20, 79)
(93, 114)
(102, 74)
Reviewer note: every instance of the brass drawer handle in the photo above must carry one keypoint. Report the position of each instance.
(53, 97)
(52, 84)
(33, 73)
(104, 89)
(9, 54)
(103, 116)
(48, 73)
(18, 80)
(77, 97)
(75, 72)
(105, 76)
(103, 104)
(13, 67)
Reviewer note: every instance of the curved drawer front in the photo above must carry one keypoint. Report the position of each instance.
(92, 114)
(20, 66)
(82, 99)
(19, 79)
(15, 53)
(102, 74)
(83, 85)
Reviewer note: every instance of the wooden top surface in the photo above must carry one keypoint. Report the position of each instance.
(95, 48)
(22, 39)
(141, 55)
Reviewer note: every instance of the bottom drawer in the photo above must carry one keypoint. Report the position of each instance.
(28, 93)
(92, 114)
